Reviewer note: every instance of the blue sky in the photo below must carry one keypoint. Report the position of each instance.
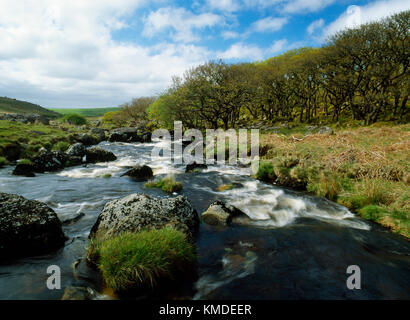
(100, 53)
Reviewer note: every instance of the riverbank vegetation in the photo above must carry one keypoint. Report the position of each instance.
(366, 169)
(23, 140)
(360, 74)
(133, 260)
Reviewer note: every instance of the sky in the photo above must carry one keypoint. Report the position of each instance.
(102, 53)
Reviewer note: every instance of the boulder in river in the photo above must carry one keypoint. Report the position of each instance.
(100, 133)
(193, 165)
(76, 150)
(24, 169)
(138, 212)
(129, 135)
(27, 227)
(140, 173)
(220, 213)
(49, 161)
(94, 155)
(88, 139)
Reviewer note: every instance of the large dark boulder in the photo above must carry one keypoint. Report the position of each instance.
(48, 161)
(87, 139)
(76, 150)
(98, 132)
(220, 213)
(12, 151)
(193, 165)
(129, 135)
(138, 212)
(140, 173)
(27, 227)
(24, 169)
(94, 155)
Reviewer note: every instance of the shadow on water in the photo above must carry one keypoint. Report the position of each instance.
(295, 246)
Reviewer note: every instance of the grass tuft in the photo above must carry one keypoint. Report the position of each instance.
(167, 184)
(133, 260)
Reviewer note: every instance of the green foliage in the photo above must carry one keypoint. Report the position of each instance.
(347, 81)
(266, 172)
(167, 184)
(25, 161)
(74, 118)
(372, 212)
(3, 162)
(61, 146)
(328, 186)
(132, 260)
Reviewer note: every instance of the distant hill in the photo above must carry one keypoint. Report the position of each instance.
(90, 112)
(9, 105)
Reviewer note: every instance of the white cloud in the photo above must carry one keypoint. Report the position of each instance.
(299, 6)
(315, 25)
(242, 51)
(230, 35)
(183, 23)
(357, 15)
(278, 46)
(61, 54)
(268, 24)
(224, 5)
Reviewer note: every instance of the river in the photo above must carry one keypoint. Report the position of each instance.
(295, 246)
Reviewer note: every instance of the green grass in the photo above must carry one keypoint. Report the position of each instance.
(167, 184)
(3, 162)
(133, 260)
(8, 105)
(362, 168)
(61, 146)
(35, 136)
(88, 112)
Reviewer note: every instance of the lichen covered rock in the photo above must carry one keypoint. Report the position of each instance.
(138, 212)
(27, 227)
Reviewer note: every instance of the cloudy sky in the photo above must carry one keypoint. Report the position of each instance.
(101, 53)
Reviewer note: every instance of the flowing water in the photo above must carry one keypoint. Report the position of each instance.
(293, 246)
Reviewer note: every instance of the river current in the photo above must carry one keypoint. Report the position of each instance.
(293, 246)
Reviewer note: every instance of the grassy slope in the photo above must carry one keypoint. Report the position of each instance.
(35, 135)
(8, 105)
(365, 168)
(92, 112)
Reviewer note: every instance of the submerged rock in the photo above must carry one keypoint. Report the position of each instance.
(78, 293)
(193, 165)
(24, 169)
(138, 212)
(95, 154)
(220, 213)
(27, 227)
(140, 173)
